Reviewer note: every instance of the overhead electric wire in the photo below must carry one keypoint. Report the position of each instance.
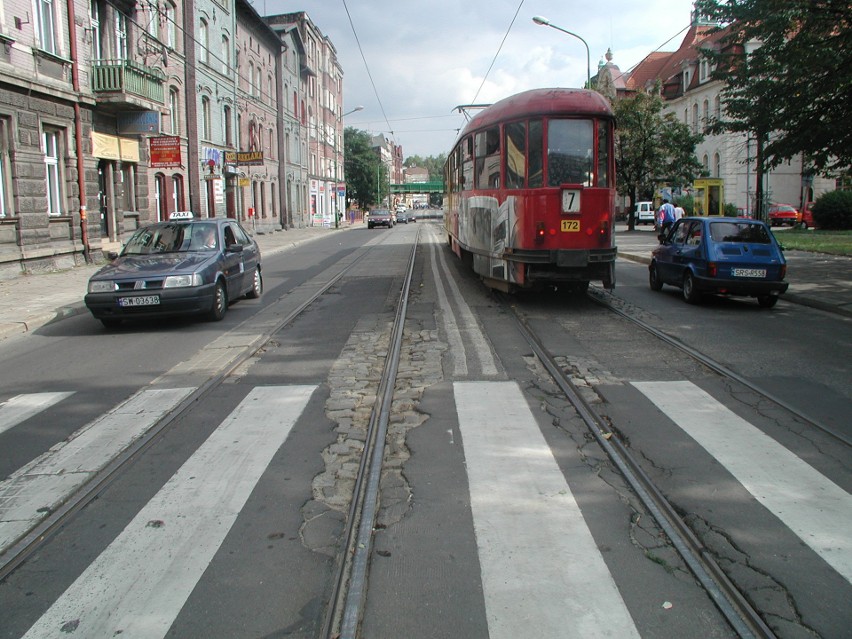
(500, 48)
(367, 67)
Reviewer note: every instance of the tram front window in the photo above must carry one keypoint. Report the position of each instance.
(570, 152)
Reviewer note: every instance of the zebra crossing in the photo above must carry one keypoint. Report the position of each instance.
(527, 523)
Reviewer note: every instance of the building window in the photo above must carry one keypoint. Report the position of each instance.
(717, 165)
(51, 146)
(271, 144)
(226, 45)
(120, 36)
(695, 118)
(226, 121)
(717, 108)
(258, 81)
(174, 112)
(47, 25)
(205, 118)
(203, 41)
(95, 17)
(251, 78)
(706, 115)
(171, 39)
(177, 193)
(5, 169)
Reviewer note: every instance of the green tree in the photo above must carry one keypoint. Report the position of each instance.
(787, 69)
(365, 174)
(651, 148)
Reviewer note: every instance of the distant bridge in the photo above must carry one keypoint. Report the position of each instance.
(418, 187)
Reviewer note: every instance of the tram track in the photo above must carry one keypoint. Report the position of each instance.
(17, 553)
(733, 605)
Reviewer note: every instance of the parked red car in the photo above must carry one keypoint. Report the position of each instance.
(781, 214)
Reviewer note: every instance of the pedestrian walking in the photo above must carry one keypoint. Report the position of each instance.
(666, 217)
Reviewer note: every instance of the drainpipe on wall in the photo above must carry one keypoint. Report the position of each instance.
(78, 132)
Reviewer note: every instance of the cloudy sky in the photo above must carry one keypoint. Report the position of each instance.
(410, 63)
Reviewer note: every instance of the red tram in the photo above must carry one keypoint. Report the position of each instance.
(530, 196)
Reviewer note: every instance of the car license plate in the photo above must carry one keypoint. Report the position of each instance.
(570, 226)
(749, 272)
(139, 300)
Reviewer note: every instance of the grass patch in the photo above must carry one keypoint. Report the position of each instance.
(832, 242)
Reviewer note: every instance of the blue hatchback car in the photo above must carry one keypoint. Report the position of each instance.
(721, 256)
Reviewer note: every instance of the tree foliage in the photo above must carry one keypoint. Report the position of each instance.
(794, 89)
(651, 148)
(365, 174)
(433, 164)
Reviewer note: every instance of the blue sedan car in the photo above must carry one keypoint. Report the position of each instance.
(177, 267)
(721, 256)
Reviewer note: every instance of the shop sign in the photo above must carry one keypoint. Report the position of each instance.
(165, 151)
(110, 147)
(135, 122)
(244, 158)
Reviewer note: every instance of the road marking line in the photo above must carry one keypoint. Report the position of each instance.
(21, 407)
(35, 490)
(812, 506)
(139, 584)
(542, 573)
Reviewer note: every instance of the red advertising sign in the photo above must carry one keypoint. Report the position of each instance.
(165, 151)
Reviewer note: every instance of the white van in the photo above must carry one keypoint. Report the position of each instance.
(644, 212)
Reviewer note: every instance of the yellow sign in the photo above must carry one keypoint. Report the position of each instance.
(245, 182)
(111, 147)
(570, 226)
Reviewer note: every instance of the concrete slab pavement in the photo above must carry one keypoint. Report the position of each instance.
(30, 301)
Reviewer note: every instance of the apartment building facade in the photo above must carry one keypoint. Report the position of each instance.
(115, 114)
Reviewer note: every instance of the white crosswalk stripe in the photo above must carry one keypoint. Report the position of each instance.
(543, 575)
(36, 489)
(138, 585)
(812, 506)
(21, 407)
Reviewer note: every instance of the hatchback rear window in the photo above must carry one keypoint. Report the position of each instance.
(741, 232)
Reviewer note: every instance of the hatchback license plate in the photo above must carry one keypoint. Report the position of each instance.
(140, 300)
(749, 272)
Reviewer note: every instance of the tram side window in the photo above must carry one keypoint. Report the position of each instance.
(570, 157)
(488, 159)
(516, 154)
(536, 155)
(603, 153)
(467, 163)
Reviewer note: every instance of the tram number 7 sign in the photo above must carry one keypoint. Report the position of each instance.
(570, 201)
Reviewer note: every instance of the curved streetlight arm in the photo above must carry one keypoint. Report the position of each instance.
(547, 23)
(357, 108)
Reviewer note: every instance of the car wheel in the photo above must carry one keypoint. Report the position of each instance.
(803, 225)
(767, 301)
(257, 286)
(690, 294)
(654, 280)
(220, 303)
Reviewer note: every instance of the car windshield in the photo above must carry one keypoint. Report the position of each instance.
(741, 232)
(172, 238)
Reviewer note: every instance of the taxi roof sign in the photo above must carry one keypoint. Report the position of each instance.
(181, 215)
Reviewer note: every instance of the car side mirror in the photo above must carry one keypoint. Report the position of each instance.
(112, 255)
(234, 248)
(662, 238)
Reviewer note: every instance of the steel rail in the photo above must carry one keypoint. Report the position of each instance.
(739, 613)
(24, 547)
(345, 608)
(598, 296)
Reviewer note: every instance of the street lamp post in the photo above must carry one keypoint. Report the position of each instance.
(548, 23)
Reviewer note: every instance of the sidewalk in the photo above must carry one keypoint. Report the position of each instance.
(30, 301)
